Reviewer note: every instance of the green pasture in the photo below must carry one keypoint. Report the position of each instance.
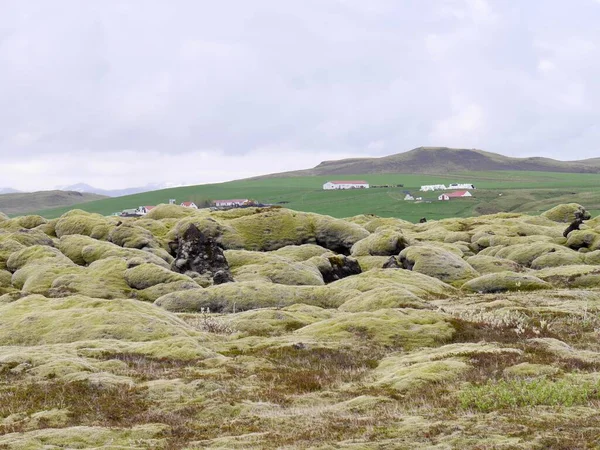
(531, 192)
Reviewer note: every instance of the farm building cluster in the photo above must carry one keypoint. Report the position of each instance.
(443, 187)
(219, 204)
(345, 184)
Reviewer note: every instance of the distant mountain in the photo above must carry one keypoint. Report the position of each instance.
(22, 203)
(439, 160)
(8, 191)
(83, 187)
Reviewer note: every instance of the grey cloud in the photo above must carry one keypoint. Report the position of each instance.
(342, 76)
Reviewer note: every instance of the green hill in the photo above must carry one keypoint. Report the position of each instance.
(521, 191)
(20, 203)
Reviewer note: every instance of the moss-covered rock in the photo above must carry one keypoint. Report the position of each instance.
(131, 236)
(34, 253)
(147, 275)
(556, 259)
(36, 320)
(505, 281)
(270, 322)
(490, 264)
(529, 370)
(437, 263)
(29, 222)
(525, 254)
(337, 234)
(102, 279)
(31, 237)
(407, 329)
(301, 252)
(164, 211)
(589, 239)
(372, 223)
(371, 262)
(383, 298)
(381, 243)
(563, 213)
(252, 295)
(422, 286)
(3, 217)
(152, 293)
(572, 276)
(77, 221)
(7, 248)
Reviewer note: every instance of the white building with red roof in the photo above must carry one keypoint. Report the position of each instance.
(346, 184)
(456, 194)
(189, 205)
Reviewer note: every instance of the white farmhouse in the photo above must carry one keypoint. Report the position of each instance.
(232, 202)
(461, 186)
(408, 197)
(433, 187)
(346, 184)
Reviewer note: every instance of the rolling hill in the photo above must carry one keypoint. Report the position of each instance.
(444, 160)
(21, 203)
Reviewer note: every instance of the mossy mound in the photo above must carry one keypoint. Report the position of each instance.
(136, 438)
(30, 237)
(556, 259)
(427, 366)
(147, 275)
(381, 243)
(371, 222)
(589, 239)
(36, 320)
(152, 293)
(563, 213)
(505, 281)
(3, 217)
(301, 252)
(573, 276)
(407, 329)
(270, 322)
(529, 370)
(131, 236)
(163, 211)
(437, 263)
(102, 279)
(337, 234)
(490, 264)
(7, 248)
(247, 295)
(217, 230)
(34, 253)
(29, 222)
(77, 221)
(371, 262)
(84, 250)
(384, 298)
(525, 254)
(421, 285)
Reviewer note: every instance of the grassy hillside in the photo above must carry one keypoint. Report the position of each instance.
(436, 160)
(521, 191)
(20, 203)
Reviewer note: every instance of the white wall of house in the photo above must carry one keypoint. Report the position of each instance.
(461, 186)
(433, 187)
(331, 186)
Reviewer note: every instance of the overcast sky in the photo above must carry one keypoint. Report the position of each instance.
(120, 93)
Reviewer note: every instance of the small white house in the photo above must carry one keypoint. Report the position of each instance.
(143, 210)
(457, 194)
(189, 205)
(408, 197)
(345, 184)
(444, 197)
(232, 202)
(433, 187)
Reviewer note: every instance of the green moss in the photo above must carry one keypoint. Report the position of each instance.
(269, 322)
(30, 221)
(383, 298)
(209, 226)
(421, 285)
(80, 222)
(131, 236)
(556, 259)
(529, 370)
(563, 213)
(7, 248)
(573, 276)
(152, 293)
(381, 243)
(300, 252)
(34, 253)
(505, 281)
(148, 275)
(371, 262)
(336, 234)
(31, 237)
(420, 374)
(407, 329)
(438, 263)
(163, 211)
(490, 264)
(137, 438)
(36, 320)
(589, 239)
(247, 295)
(525, 254)
(3, 217)
(102, 279)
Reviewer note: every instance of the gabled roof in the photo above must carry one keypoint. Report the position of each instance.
(188, 203)
(349, 182)
(148, 208)
(457, 193)
(233, 200)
